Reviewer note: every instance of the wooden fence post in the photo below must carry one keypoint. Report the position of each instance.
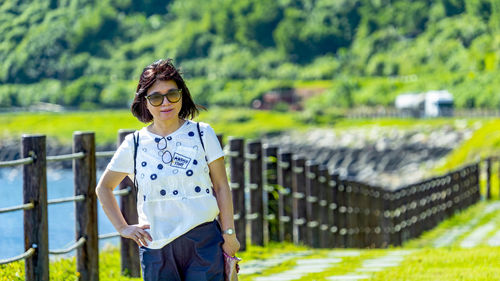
(237, 166)
(333, 216)
(299, 200)
(271, 226)
(129, 251)
(36, 232)
(449, 196)
(472, 174)
(405, 231)
(474, 182)
(378, 215)
(391, 205)
(412, 210)
(255, 217)
(497, 159)
(84, 170)
(455, 191)
(342, 213)
(396, 216)
(488, 178)
(358, 215)
(312, 203)
(325, 196)
(351, 220)
(285, 196)
(387, 228)
(363, 213)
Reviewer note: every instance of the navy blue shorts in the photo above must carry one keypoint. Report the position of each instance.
(195, 256)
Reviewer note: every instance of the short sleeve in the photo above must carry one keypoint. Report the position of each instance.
(213, 148)
(123, 159)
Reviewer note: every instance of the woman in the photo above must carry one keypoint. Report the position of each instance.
(181, 180)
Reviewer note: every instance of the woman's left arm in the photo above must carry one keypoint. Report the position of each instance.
(225, 203)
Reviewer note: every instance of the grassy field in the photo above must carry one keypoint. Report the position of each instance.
(484, 142)
(239, 122)
(60, 126)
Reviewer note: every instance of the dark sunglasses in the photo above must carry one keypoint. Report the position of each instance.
(173, 96)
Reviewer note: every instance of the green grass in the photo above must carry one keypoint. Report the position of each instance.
(485, 142)
(60, 126)
(239, 122)
(65, 269)
(447, 264)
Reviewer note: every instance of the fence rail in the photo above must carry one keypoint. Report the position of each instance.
(291, 199)
(26, 206)
(30, 252)
(24, 161)
(72, 247)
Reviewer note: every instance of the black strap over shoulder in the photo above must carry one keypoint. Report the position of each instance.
(136, 146)
(199, 134)
(201, 140)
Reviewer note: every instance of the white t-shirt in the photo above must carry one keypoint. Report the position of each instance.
(174, 186)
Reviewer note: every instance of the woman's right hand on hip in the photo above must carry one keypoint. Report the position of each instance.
(137, 233)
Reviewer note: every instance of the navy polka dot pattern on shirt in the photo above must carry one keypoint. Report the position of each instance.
(191, 134)
(176, 192)
(144, 163)
(197, 189)
(160, 166)
(195, 162)
(144, 197)
(157, 140)
(153, 176)
(163, 192)
(189, 173)
(208, 190)
(169, 138)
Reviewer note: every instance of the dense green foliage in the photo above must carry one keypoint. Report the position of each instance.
(89, 53)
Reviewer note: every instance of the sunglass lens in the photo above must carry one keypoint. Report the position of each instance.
(156, 99)
(174, 95)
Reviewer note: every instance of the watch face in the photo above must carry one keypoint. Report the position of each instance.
(229, 231)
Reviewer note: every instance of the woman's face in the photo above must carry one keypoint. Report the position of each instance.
(167, 110)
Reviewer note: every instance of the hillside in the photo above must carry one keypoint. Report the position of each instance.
(89, 53)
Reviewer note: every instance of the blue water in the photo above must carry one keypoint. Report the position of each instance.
(61, 217)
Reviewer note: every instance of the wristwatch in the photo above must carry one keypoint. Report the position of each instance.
(228, 231)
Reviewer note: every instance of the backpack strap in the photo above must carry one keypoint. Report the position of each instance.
(201, 140)
(136, 146)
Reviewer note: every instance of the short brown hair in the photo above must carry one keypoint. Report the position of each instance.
(162, 70)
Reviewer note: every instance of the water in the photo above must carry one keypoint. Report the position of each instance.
(61, 217)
